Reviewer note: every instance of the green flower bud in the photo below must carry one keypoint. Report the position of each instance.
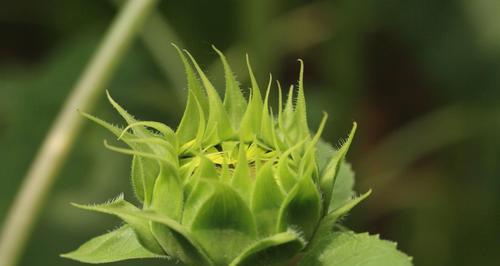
(235, 184)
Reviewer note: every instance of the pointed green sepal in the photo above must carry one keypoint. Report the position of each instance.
(343, 190)
(327, 179)
(234, 102)
(242, 181)
(139, 131)
(168, 193)
(266, 200)
(301, 208)
(300, 107)
(218, 119)
(328, 221)
(196, 106)
(267, 123)
(226, 217)
(252, 119)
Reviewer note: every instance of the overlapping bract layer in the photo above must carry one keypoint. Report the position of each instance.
(233, 185)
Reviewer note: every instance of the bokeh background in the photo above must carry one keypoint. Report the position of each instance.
(421, 78)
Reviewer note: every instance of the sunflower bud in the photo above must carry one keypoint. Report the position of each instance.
(235, 184)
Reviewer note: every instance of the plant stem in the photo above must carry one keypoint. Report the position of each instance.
(157, 34)
(53, 152)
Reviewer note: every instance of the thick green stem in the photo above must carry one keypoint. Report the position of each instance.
(54, 150)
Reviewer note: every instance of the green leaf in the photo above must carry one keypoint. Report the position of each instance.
(122, 209)
(349, 248)
(273, 250)
(234, 101)
(120, 244)
(223, 216)
(266, 200)
(330, 172)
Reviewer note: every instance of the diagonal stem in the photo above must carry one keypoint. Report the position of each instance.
(40, 177)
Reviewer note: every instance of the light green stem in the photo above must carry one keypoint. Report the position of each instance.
(40, 177)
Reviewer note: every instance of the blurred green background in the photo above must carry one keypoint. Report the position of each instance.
(421, 78)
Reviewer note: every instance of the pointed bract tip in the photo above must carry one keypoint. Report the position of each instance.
(301, 62)
(108, 94)
(249, 66)
(174, 45)
(216, 50)
(110, 99)
(325, 115)
(354, 127)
